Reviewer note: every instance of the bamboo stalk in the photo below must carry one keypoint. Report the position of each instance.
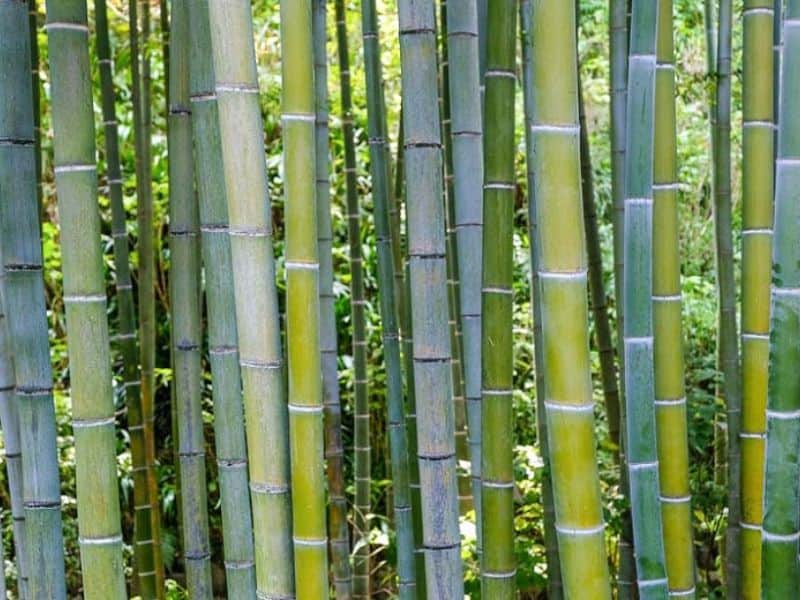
(250, 230)
(780, 569)
(361, 439)
(398, 440)
(429, 309)
(562, 282)
(84, 296)
(338, 531)
(643, 466)
(33, 23)
(757, 196)
(670, 394)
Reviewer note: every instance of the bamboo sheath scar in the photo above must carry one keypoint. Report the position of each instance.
(93, 422)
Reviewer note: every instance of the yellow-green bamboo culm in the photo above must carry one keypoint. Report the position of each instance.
(223, 356)
(258, 326)
(562, 285)
(126, 315)
(338, 529)
(93, 417)
(780, 569)
(757, 196)
(381, 197)
(302, 300)
(498, 564)
(670, 395)
(361, 438)
(435, 426)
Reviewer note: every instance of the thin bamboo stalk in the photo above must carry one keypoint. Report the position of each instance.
(338, 530)
(670, 394)
(28, 416)
(302, 301)
(757, 197)
(643, 466)
(562, 282)
(250, 230)
(398, 441)
(780, 568)
(498, 564)
(126, 337)
(429, 309)
(361, 439)
(85, 299)
(727, 344)
(554, 585)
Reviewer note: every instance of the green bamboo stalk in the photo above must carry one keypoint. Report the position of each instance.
(728, 352)
(126, 337)
(229, 431)
(643, 466)
(467, 168)
(429, 309)
(361, 438)
(29, 417)
(780, 568)
(398, 441)
(84, 296)
(338, 530)
(250, 230)
(670, 395)
(498, 565)
(185, 296)
(302, 299)
(33, 23)
(562, 282)
(554, 585)
(757, 196)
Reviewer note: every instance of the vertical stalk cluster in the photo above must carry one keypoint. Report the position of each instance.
(780, 568)
(429, 303)
(498, 567)
(640, 442)
(85, 299)
(256, 299)
(757, 197)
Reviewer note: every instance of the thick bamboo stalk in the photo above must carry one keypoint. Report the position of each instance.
(361, 439)
(126, 324)
(28, 416)
(398, 440)
(185, 296)
(670, 395)
(757, 197)
(85, 299)
(498, 565)
(429, 307)
(338, 530)
(643, 466)
(780, 568)
(229, 431)
(562, 282)
(250, 229)
(302, 300)
(554, 586)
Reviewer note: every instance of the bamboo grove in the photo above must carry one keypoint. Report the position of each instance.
(285, 286)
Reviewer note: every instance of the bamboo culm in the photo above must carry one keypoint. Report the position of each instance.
(257, 321)
(93, 419)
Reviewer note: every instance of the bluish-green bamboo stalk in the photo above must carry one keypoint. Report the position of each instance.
(429, 307)
(338, 530)
(258, 325)
(85, 299)
(780, 569)
(398, 441)
(361, 438)
(231, 450)
(643, 468)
